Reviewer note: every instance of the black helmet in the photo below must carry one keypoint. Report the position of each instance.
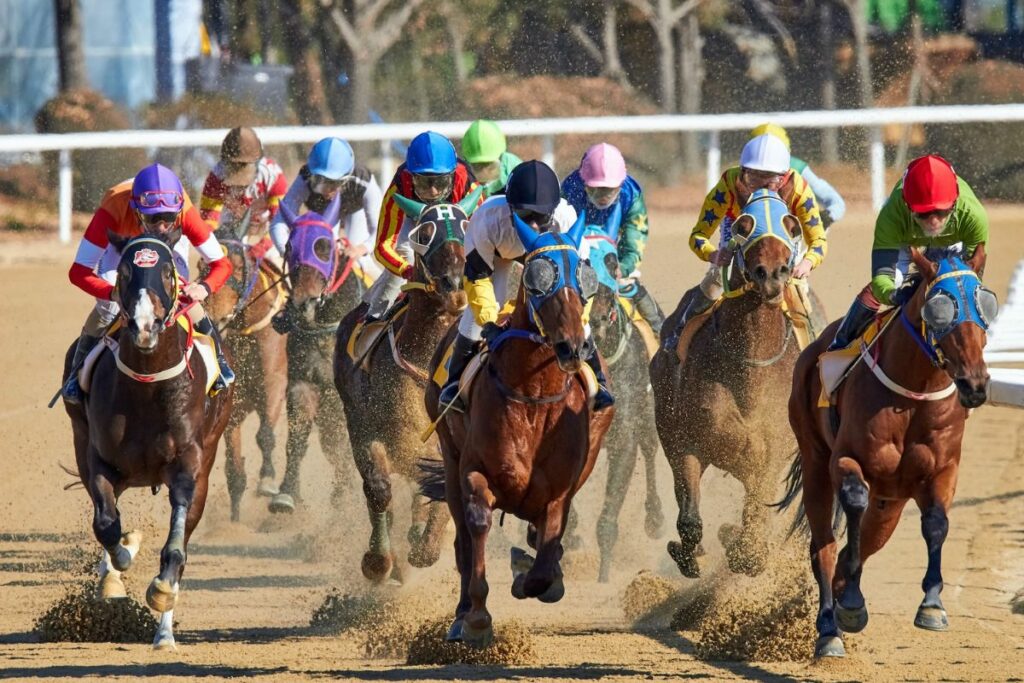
(533, 186)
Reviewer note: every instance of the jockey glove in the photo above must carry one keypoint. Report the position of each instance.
(490, 332)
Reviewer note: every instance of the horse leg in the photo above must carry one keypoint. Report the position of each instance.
(425, 546)
(544, 580)
(330, 420)
(303, 402)
(106, 521)
(655, 518)
(686, 472)
(273, 388)
(571, 539)
(851, 612)
(621, 461)
(234, 466)
(931, 615)
(818, 502)
(267, 441)
(372, 463)
(463, 552)
(477, 630)
(748, 552)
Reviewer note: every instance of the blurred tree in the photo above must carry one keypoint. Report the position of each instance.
(607, 52)
(663, 16)
(307, 86)
(70, 55)
(858, 10)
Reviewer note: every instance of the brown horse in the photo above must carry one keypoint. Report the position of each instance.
(148, 422)
(324, 287)
(893, 433)
(242, 310)
(725, 404)
(382, 389)
(529, 438)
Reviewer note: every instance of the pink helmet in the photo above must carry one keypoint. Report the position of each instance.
(603, 166)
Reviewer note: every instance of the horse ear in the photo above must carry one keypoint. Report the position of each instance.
(614, 222)
(411, 207)
(527, 235)
(333, 209)
(743, 226)
(792, 225)
(977, 262)
(924, 265)
(471, 200)
(578, 228)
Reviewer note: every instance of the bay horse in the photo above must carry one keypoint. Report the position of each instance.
(382, 389)
(625, 353)
(148, 422)
(242, 311)
(894, 433)
(724, 405)
(529, 438)
(324, 287)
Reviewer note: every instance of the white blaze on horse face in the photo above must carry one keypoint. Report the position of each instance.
(145, 320)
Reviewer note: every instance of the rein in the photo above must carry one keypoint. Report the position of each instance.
(787, 336)
(168, 373)
(624, 329)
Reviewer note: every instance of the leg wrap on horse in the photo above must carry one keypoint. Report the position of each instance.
(648, 308)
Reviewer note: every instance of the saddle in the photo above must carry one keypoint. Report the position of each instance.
(365, 337)
(836, 366)
(202, 343)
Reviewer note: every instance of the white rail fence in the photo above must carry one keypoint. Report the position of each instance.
(546, 129)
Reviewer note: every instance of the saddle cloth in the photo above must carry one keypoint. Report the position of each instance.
(836, 366)
(365, 337)
(204, 344)
(642, 326)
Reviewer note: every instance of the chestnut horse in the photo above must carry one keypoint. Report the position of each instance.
(242, 311)
(529, 437)
(324, 287)
(725, 404)
(147, 422)
(893, 433)
(624, 351)
(382, 392)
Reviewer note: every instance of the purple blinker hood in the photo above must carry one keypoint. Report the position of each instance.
(306, 231)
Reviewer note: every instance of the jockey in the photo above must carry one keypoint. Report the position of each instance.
(330, 171)
(830, 202)
(154, 202)
(492, 245)
(485, 150)
(764, 164)
(596, 186)
(244, 180)
(929, 207)
(432, 173)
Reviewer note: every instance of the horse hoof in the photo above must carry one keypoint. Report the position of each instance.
(829, 646)
(931, 618)
(421, 556)
(111, 587)
(454, 632)
(554, 593)
(164, 641)
(653, 523)
(267, 487)
(282, 502)
(161, 595)
(851, 620)
(477, 638)
(376, 567)
(686, 561)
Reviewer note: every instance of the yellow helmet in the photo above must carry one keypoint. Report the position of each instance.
(771, 129)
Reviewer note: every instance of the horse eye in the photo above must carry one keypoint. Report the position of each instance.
(988, 304)
(322, 249)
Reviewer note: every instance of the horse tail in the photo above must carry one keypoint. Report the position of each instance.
(794, 488)
(73, 473)
(432, 479)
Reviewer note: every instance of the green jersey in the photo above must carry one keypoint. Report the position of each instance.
(896, 229)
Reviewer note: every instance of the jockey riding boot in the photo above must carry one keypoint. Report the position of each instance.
(72, 391)
(227, 375)
(462, 351)
(603, 399)
(698, 304)
(853, 325)
(648, 309)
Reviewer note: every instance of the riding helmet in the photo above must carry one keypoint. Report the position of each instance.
(533, 186)
(603, 166)
(930, 184)
(483, 142)
(430, 153)
(331, 158)
(765, 153)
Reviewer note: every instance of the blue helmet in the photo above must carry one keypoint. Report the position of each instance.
(332, 158)
(430, 153)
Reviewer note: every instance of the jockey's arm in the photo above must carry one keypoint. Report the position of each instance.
(211, 201)
(294, 198)
(205, 242)
(90, 253)
(828, 197)
(389, 226)
(277, 190)
(712, 212)
(633, 236)
(373, 200)
(804, 206)
(480, 254)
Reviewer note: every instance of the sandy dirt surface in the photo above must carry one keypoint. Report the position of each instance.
(250, 587)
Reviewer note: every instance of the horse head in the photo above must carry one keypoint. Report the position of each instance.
(603, 257)
(226, 303)
(956, 309)
(556, 284)
(147, 289)
(313, 259)
(765, 239)
(438, 240)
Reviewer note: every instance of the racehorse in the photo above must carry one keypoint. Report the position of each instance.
(724, 405)
(242, 311)
(529, 437)
(324, 287)
(381, 388)
(149, 422)
(624, 351)
(893, 432)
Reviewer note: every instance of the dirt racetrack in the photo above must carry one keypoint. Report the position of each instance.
(250, 588)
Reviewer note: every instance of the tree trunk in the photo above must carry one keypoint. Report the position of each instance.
(70, 55)
(363, 68)
(307, 80)
(666, 60)
(829, 136)
(859, 19)
(914, 88)
(457, 34)
(610, 39)
(691, 71)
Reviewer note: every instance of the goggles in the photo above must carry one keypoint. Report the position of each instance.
(486, 171)
(534, 218)
(603, 196)
(322, 184)
(437, 185)
(157, 198)
(935, 213)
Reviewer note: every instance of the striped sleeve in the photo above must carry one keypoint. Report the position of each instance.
(276, 188)
(205, 242)
(211, 202)
(90, 252)
(389, 225)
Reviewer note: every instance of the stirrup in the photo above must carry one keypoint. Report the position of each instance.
(72, 392)
(450, 399)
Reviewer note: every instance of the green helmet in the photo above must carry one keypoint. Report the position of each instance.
(483, 142)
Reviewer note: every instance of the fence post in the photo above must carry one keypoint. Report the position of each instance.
(387, 163)
(877, 169)
(64, 197)
(548, 156)
(714, 158)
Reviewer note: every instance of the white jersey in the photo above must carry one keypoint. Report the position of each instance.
(492, 234)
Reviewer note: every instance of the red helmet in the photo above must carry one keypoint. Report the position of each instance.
(929, 184)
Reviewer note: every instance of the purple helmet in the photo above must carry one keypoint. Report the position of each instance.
(156, 189)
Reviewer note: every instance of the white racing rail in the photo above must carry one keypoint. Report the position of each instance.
(1006, 345)
(546, 129)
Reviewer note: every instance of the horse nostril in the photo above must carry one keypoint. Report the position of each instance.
(563, 350)
(761, 273)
